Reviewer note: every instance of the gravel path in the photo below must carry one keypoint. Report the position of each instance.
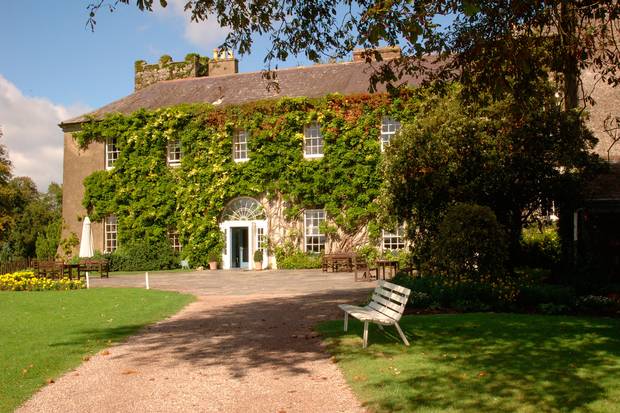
(223, 353)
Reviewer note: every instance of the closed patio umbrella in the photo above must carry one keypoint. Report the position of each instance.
(86, 242)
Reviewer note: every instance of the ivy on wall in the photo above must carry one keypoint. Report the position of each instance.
(149, 197)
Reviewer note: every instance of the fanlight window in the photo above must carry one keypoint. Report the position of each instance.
(243, 209)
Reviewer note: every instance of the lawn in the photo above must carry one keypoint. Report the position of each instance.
(483, 363)
(43, 334)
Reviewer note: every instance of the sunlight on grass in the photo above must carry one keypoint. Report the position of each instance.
(484, 363)
(43, 334)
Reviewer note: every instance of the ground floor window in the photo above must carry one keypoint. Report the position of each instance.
(111, 234)
(314, 238)
(393, 241)
(173, 236)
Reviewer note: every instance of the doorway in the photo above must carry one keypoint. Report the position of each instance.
(239, 244)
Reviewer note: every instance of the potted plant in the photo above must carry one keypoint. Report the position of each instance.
(214, 258)
(258, 259)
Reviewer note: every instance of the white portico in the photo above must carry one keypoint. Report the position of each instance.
(244, 226)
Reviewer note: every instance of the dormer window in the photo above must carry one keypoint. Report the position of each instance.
(174, 153)
(313, 141)
(389, 127)
(240, 146)
(111, 153)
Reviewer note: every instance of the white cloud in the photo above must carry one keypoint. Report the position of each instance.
(32, 135)
(205, 34)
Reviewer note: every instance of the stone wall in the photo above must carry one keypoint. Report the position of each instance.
(193, 66)
(77, 165)
(607, 103)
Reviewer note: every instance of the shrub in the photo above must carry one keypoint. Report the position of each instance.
(540, 248)
(26, 281)
(258, 255)
(596, 303)
(536, 295)
(143, 255)
(288, 257)
(470, 244)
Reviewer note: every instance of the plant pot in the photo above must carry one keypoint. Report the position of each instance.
(213, 265)
(258, 265)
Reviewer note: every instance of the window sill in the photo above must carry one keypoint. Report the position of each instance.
(313, 156)
(240, 160)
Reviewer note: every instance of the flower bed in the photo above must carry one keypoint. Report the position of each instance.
(27, 281)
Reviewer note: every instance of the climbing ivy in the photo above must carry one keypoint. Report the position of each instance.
(149, 197)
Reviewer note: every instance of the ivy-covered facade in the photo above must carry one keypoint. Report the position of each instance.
(226, 178)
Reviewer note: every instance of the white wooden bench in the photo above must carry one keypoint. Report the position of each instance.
(385, 308)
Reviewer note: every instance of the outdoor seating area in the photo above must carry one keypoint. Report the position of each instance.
(60, 269)
(363, 269)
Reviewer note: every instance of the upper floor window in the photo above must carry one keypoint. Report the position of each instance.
(174, 153)
(393, 241)
(313, 141)
(240, 146)
(111, 152)
(389, 127)
(314, 239)
(111, 233)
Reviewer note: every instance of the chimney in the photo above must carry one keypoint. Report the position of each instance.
(387, 53)
(223, 63)
(146, 74)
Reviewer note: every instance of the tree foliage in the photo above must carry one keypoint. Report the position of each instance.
(481, 43)
(512, 161)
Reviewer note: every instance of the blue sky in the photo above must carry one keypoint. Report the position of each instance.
(53, 67)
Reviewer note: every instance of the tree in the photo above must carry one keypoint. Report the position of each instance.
(482, 44)
(5, 190)
(489, 154)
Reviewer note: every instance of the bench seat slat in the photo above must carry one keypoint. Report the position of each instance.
(394, 315)
(394, 287)
(395, 298)
(366, 314)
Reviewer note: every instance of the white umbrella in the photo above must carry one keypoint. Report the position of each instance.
(86, 245)
(86, 242)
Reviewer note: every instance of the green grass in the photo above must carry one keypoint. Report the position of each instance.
(43, 334)
(483, 363)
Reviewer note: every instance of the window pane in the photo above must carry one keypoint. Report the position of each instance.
(389, 127)
(111, 234)
(313, 140)
(174, 152)
(111, 152)
(314, 239)
(394, 240)
(240, 145)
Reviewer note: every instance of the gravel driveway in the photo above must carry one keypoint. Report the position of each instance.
(245, 345)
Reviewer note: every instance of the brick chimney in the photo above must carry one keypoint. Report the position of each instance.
(223, 63)
(390, 52)
(146, 74)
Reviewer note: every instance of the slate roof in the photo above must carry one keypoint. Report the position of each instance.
(314, 81)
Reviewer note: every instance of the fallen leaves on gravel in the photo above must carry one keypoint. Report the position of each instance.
(129, 371)
(105, 353)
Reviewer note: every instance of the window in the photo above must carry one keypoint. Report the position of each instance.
(313, 141)
(174, 153)
(393, 241)
(111, 234)
(314, 239)
(111, 153)
(388, 128)
(261, 239)
(240, 146)
(173, 236)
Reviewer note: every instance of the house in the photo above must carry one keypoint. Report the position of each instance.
(281, 130)
(260, 218)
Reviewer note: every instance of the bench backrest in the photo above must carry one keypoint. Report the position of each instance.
(389, 299)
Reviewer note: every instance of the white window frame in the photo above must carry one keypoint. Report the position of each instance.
(389, 127)
(393, 241)
(313, 138)
(174, 153)
(110, 241)
(313, 237)
(241, 152)
(111, 153)
(173, 236)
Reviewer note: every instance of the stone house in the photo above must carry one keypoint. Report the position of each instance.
(246, 220)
